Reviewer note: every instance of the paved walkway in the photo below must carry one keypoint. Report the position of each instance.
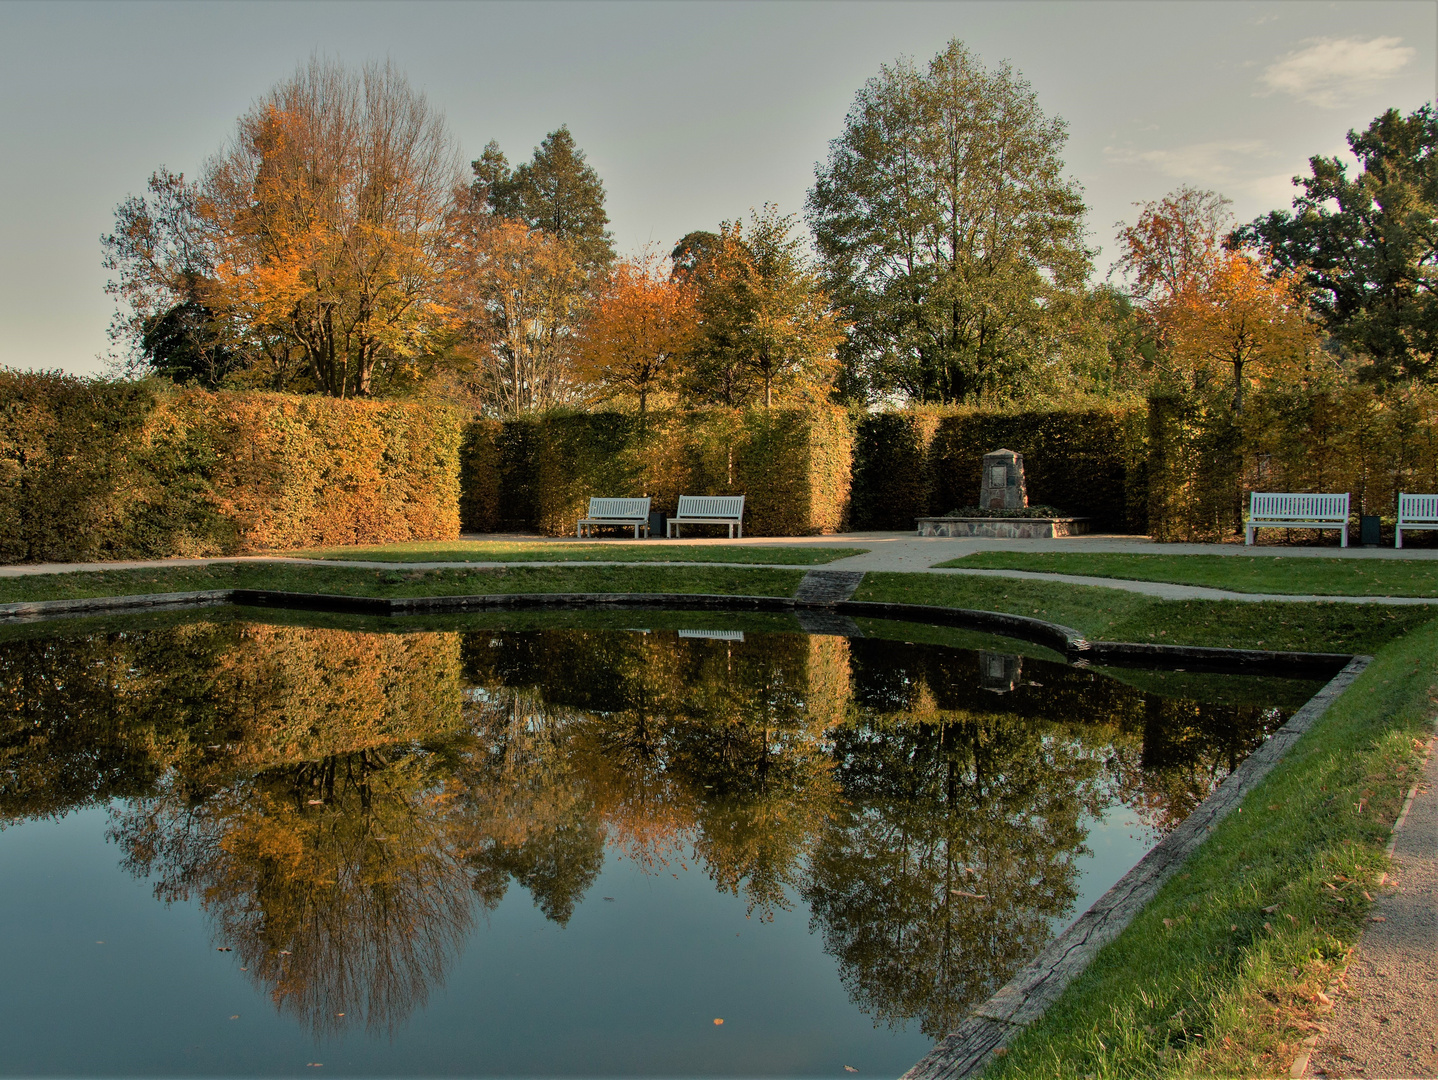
(1385, 1022)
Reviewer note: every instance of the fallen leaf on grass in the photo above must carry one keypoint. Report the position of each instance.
(1270, 910)
(1377, 918)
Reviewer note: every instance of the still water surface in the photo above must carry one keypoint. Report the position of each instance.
(244, 847)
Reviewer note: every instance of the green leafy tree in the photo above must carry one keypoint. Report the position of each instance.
(1368, 246)
(764, 319)
(556, 191)
(951, 241)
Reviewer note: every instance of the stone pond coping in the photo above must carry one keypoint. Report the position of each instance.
(1004, 528)
(1023, 999)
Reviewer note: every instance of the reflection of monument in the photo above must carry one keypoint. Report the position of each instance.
(1002, 486)
(1000, 672)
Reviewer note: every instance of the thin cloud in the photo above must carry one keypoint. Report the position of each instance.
(1330, 72)
(1205, 163)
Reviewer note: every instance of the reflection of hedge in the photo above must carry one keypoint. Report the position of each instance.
(1369, 443)
(538, 472)
(92, 469)
(1087, 461)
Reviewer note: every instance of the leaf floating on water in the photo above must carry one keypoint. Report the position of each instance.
(718, 1020)
(850, 1068)
(610, 899)
(223, 948)
(970, 895)
(235, 1017)
(315, 802)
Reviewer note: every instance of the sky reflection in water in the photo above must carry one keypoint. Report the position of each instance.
(559, 851)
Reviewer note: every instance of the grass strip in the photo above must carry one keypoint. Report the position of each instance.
(362, 581)
(1115, 615)
(1289, 575)
(642, 551)
(1223, 973)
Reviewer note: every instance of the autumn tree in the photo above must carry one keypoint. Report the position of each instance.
(1236, 317)
(764, 320)
(636, 329)
(313, 241)
(1367, 247)
(951, 241)
(1173, 247)
(515, 293)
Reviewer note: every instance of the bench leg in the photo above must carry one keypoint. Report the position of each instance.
(740, 526)
(1343, 536)
(1248, 536)
(1398, 538)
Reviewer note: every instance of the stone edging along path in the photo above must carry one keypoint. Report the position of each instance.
(1021, 1001)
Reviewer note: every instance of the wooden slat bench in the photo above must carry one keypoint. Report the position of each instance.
(709, 510)
(623, 512)
(1295, 510)
(1415, 512)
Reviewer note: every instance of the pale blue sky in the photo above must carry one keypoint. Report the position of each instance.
(691, 112)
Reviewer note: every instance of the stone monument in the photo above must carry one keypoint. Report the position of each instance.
(1002, 486)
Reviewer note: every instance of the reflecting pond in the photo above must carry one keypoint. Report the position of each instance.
(244, 844)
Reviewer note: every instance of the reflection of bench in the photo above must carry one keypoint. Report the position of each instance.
(624, 512)
(709, 510)
(1415, 512)
(1291, 510)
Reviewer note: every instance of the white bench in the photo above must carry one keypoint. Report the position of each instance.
(616, 512)
(709, 510)
(1294, 510)
(1415, 512)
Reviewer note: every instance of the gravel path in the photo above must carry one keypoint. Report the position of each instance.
(1385, 1020)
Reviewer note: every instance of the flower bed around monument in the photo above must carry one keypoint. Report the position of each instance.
(1004, 525)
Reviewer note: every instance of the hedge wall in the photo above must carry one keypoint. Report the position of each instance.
(537, 473)
(103, 470)
(1088, 461)
(1205, 460)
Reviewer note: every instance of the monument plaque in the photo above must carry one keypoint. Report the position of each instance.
(1002, 486)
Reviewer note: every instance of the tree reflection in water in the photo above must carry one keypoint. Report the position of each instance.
(341, 803)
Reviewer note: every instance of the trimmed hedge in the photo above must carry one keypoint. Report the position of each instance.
(1089, 462)
(537, 473)
(106, 470)
(1205, 460)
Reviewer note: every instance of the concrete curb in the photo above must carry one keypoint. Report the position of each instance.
(968, 1050)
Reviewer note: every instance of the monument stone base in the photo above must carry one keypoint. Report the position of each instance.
(1012, 528)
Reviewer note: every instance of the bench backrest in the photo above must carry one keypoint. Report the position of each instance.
(626, 509)
(1285, 505)
(711, 506)
(1417, 507)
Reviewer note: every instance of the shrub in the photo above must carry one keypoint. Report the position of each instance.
(106, 470)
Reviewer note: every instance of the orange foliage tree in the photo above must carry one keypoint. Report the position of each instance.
(636, 329)
(1233, 315)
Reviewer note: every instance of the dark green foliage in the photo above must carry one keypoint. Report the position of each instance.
(537, 473)
(893, 478)
(1368, 247)
(183, 345)
(556, 191)
(1203, 462)
(1089, 462)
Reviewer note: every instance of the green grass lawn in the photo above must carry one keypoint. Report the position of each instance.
(548, 551)
(1237, 573)
(1220, 974)
(1113, 615)
(360, 581)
